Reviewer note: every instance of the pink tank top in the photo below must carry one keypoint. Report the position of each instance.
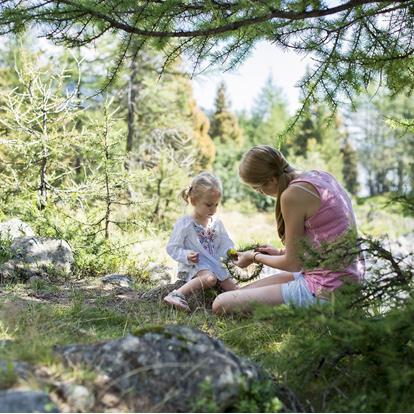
(333, 219)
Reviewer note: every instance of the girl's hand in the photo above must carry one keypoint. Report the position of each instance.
(193, 257)
(244, 259)
(267, 249)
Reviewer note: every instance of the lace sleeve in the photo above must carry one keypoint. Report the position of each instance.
(225, 242)
(175, 246)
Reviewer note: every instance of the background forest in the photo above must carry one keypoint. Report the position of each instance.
(101, 164)
(96, 168)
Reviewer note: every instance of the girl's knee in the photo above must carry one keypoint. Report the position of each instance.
(209, 280)
(218, 306)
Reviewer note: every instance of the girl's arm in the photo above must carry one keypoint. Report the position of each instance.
(294, 213)
(272, 251)
(175, 246)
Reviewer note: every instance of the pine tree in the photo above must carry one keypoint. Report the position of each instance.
(39, 117)
(269, 116)
(350, 42)
(224, 124)
(308, 127)
(204, 143)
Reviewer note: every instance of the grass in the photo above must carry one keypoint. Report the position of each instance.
(41, 314)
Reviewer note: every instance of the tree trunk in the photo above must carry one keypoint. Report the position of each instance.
(132, 96)
(42, 199)
(400, 174)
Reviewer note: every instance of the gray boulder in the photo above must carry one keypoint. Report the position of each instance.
(203, 299)
(79, 398)
(37, 256)
(15, 228)
(159, 274)
(157, 293)
(12, 371)
(168, 369)
(116, 279)
(26, 401)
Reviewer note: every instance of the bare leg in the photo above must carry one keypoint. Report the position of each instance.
(282, 277)
(229, 284)
(203, 280)
(243, 300)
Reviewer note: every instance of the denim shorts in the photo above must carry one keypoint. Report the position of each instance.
(297, 292)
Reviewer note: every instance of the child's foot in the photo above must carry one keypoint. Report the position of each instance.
(177, 300)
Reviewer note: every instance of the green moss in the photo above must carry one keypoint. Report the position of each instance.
(157, 329)
(8, 376)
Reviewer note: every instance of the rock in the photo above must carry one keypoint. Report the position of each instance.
(15, 228)
(156, 294)
(117, 280)
(202, 299)
(37, 256)
(4, 343)
(26, 401)
(12, 371)
(159, 274)
(168, 369)
(403, 247)
(78, 397)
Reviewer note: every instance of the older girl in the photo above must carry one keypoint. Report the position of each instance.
(310, 206)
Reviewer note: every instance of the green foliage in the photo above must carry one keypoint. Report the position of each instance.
(8, 376)
(258, 397)
(38, 132)
(5, 251)
(224, 126)
(350, 43)
(315, 143)
(204, 143)
(268, 117)
(226, 167)
(336, 255)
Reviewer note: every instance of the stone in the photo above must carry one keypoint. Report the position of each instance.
(12, 371)
(15, 228)
(159, 274)
(203, 299)
(78, 397)
(117, 280)
(167, 369)
(26, 401)
(37, 256)
(156, 294)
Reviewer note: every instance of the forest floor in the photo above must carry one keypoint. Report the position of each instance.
(35, 317)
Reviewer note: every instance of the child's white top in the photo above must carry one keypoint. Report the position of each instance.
(184, 239)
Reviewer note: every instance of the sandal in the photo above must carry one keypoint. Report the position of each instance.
(177, 300)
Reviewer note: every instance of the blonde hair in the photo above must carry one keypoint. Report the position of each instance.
(205, 181)
(258, 166)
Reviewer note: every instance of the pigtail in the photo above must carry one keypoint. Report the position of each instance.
(199, 184)
(185, 194)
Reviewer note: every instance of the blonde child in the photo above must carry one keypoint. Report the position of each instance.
(199, 241)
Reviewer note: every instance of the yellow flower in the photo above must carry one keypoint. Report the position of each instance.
(232, 253)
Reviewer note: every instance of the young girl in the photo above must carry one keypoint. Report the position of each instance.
(310, 206)
(199, 241)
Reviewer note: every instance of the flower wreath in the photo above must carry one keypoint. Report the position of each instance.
(251, 272)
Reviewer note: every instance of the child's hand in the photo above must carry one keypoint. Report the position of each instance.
(193, 257)
(244, 259)
(267, 249)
